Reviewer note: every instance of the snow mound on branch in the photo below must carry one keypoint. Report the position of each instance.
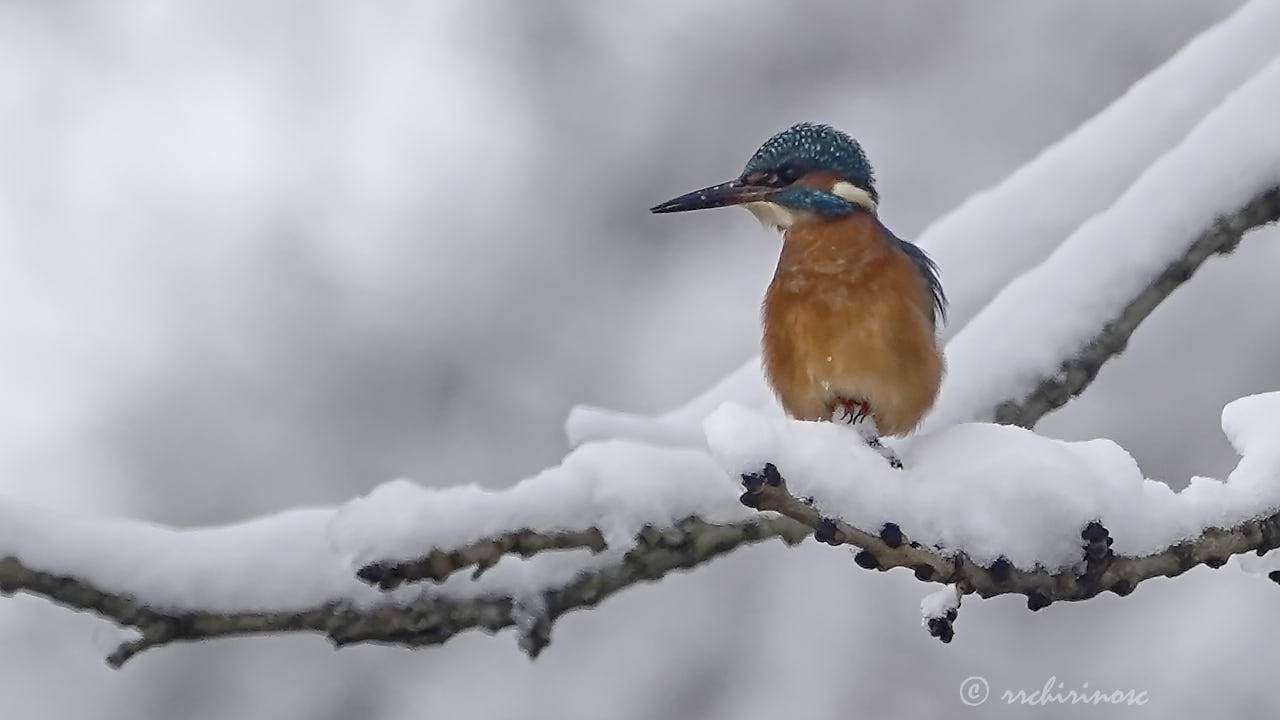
(617, 487)
(276, 562)
(996, 490)
(938, 603)
(987, 490)
(1252, 424)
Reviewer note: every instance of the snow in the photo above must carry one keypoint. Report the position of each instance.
(1053, 310)
(1251, 424)
(994, 490)
(681, 427)
(1077, 177)
(304, 558)
(616, 486)
(987, 490)
(937, 604)
(277, 562)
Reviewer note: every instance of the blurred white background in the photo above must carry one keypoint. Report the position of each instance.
(256, 255)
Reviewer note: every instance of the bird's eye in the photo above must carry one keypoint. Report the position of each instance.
(789, 174)
(779, 178)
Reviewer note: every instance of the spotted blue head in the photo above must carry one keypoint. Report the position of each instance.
(806, 170)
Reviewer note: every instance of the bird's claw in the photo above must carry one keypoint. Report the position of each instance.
(852, 412)
(894, 461)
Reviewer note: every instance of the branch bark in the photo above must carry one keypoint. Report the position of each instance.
(433, 619)
(1099, 571)
(438, 565)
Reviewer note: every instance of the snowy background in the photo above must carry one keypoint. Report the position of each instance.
(259, 256)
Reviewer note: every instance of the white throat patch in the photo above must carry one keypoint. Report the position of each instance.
(772, 215)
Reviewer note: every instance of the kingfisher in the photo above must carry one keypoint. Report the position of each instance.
(851, 315)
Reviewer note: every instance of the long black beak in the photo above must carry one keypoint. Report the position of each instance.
(734, 192)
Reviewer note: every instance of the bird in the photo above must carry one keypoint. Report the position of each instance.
(851, 316)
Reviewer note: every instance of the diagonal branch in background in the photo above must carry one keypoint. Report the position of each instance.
(691, 543)
(1100, 569)
(1076, 373)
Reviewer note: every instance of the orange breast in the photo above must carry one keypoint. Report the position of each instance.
(847, 318)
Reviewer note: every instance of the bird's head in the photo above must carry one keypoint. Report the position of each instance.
(804, 172)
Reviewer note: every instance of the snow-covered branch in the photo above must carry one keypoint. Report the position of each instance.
(426, 619)
(1118, 264)
(1017, 513)
(1075, 374)
(1099, 570)
(991, 509)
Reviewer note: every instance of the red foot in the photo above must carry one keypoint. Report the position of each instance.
(852, 411)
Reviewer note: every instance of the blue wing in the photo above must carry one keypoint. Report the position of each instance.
(929, 273)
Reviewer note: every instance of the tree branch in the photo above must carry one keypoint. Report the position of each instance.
(433, 618)
(484, 554)
(1100, 570)
(1077, 372)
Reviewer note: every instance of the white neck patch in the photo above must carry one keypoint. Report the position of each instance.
(854, 194)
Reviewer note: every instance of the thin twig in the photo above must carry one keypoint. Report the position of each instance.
(438, 565)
